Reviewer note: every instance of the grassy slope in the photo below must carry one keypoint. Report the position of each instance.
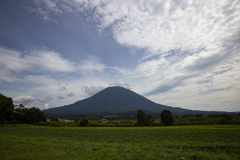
(183, 142)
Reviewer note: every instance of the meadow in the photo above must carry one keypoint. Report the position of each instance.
(173, 142)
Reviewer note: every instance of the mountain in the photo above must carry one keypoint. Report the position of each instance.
(117, 101)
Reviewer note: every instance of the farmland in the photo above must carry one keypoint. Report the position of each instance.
(175, 142)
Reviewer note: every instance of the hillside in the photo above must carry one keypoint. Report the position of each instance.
(116, 100)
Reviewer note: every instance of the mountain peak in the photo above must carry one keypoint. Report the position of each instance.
(115, 88)
(115, 100)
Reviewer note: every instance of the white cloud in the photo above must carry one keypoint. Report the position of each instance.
(91, 64)
(46, 99)
(162, 26)
(43, 7)
(25, 100)
(6, 75)
(39, 79)
(159, 26)
(207, 91)
(60, 97)
(37, 61)
(41, 61)
(125, 85)
(46, 105)
(92, 90)
(28, 100)
(61, 88)
(149, 68)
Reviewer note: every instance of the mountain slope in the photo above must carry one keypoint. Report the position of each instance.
(111, 100)
(115, 100)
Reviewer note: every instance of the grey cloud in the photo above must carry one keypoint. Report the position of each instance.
(43, 8)
(70, 94)
(176, 82)
(125, 85)
(46, 99)
(92, 90)
(223, 71)
(60, 97)
(61, 88)
(25, 100)
(40, 61)
(206, 80)
(216, 89)
(221, 89)
(231, 50)
(205, 63)
(35, 61)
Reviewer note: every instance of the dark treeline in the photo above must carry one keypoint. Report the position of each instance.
(163, 119)
(141, 119)
(10, 113)
(208, 119)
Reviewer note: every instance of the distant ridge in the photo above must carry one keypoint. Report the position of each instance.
(117, 100)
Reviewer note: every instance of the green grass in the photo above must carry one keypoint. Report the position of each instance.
(177, 142)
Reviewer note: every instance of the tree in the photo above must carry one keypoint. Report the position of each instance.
(198, 115)
(83, 122)
(226, 116)
(6, 109)
(54, 119)
(141, 118)
(75, 120)
(150, 120)
(166, 117)
(33, 115)
(19, 111)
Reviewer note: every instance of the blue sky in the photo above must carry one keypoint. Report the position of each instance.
(177, 53)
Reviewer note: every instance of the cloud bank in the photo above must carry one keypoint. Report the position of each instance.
(42, 61)
(28, 100)
(25, 100)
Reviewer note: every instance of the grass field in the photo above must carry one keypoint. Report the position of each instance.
(177, 142)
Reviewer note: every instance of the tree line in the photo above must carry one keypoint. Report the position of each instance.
(143, 120)
(10, 113)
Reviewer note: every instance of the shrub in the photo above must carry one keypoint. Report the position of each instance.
(83, 122)
(222, 120)
(49, 124)
(54, 119)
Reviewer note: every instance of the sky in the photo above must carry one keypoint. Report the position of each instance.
(180, 53)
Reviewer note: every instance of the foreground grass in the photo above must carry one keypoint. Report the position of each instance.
(185, 142)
